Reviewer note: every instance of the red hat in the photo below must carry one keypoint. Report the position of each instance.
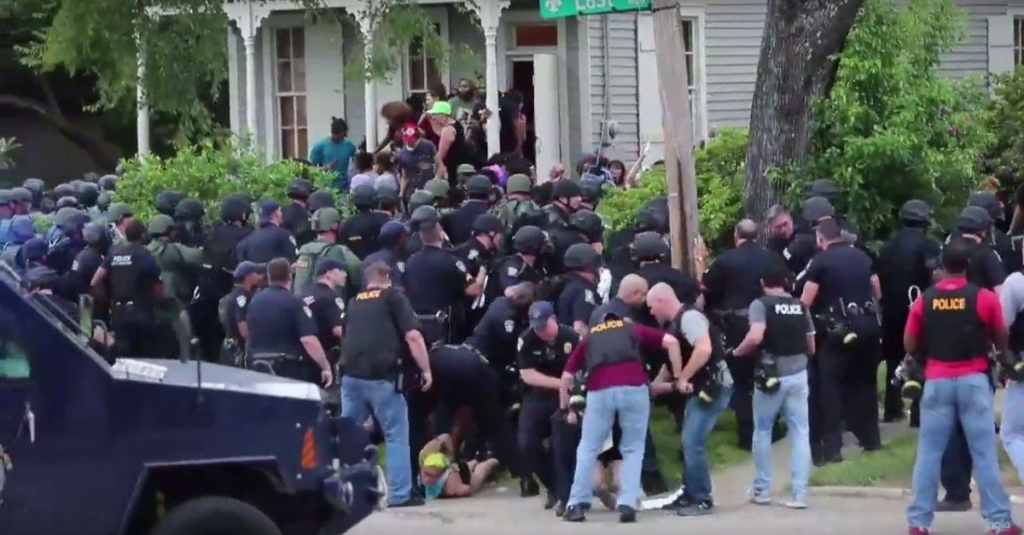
(409, 132)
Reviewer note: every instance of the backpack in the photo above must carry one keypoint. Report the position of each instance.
(305, 265)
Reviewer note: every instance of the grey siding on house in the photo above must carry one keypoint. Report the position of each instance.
(970, 56)
(621, 67)
(355, 89)
(732, 46)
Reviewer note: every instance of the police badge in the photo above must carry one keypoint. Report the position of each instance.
(567, 348)
(240, 300)
(509, 326)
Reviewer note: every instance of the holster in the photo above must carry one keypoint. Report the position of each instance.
(766, 373)
(267, 362)
(231, 353)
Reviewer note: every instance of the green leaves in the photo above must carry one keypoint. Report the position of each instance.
(1006, 122)
(893, 127)
(208, 173)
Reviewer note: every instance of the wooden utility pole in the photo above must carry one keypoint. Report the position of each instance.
(677, 122)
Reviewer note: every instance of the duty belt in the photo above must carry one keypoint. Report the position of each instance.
(441, 317)
(265, 361)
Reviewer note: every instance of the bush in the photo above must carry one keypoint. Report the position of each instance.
(719, 165)
(1006, 123)
(893, 128)
(209, 172)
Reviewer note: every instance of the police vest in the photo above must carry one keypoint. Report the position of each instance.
(305, 264)
(125, 277)
(372, 343)
(706, 372)
(785, 330)
(952, 329)
(611, 342)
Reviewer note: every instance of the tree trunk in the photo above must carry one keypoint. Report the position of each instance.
(797, 67)
(103, 154)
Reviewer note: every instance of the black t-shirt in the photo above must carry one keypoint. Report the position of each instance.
(328, 313)
(548, 359)
(277, 322)
(843, 275)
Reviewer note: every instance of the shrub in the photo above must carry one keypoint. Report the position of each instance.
(1006, 123)
(719, 167)
(209, 172)
(894, 128)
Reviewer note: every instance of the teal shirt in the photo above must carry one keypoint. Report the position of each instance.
(326, 151)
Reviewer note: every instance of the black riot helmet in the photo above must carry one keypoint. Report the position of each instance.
(189, 210)
(589, 224)
(565, 189)
(653, 216)
(823, 187)
(419, 199)
(989, 201)
(103, 201)
(301, 189)
(580, 257)
(320, 199)
(529, 240)
(478, 187)
(167, 201)
(64, 190)
(591, 193)
(107, 182)
(364, 197)
(424, 217)
(35, 185)
(388, 197)
(914, 211)
(88, 194)
(96, 235)
(235, 208)
(487, 224)
(649, 246)
(66, 202)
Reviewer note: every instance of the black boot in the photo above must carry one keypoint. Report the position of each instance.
(528, 487)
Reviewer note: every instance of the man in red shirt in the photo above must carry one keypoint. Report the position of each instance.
(953, 325)
(616, 385)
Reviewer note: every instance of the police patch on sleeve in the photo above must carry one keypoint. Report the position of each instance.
(588, 296)
(509, 326)
(567, 348)
(292, 239)
(473, 253)
(308, 300)
(513, 272)
(74, 265)
(460, 265)
(519, 345)
(308, 312)
(340, 302)
(240, 300)
(401, 267)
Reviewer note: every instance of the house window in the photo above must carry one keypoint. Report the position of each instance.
(422, 70)
(291, 92)
(1018, 40)
(693, 74)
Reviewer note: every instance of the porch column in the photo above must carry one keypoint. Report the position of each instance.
(489, 13)
(142, 107)
(250, 84)
(370, 85)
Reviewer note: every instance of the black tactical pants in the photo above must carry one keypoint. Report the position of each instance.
(565, 439)
(534, 428)
(892, 351)
(134, 333)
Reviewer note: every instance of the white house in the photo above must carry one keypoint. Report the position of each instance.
(287, 71)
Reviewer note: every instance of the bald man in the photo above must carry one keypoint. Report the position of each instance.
(627, 301)
(705, 373)
(729, 285)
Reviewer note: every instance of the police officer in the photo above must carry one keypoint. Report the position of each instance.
(730, 283)
(62, 253)
(997, 239)
(389, 201)
(438, 281)
(986, 268)
(32, 254)
(905, 266)
(654, 255)
(167, 201)
(478, 252)
(22, 230)
(841, 291)
(518, 209)
(106, 183)
(77, 281)
(359, 232)
(458, 223)
(249, 276)
(326, 223)
(36, 187)
(590, 195)
(523, 265)
(543, 350)
(322, 198)
(619, 255)
(295, 216)
(804, 244)
(322, 297)
(565, 199)
(119, 215)
(413, 244)
(379, 325)
(578, 298)
(270, 240)
(215, 279)
(188, 219)
(132, 277)
(282, 333)
(179, 264)
(439, 189)
(391, 240)
(22, 198)
(6, 213)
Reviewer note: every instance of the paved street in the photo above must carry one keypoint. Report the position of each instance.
(503, 514)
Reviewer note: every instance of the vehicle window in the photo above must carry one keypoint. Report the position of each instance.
(14, 362)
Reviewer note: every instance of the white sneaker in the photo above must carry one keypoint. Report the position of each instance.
(1016, 500)
(796, 503)
(759, 499)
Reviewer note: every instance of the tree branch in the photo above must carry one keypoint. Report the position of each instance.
(104, 155)
(51, 97)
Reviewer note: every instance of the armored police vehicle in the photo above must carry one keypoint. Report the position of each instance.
(96, 446)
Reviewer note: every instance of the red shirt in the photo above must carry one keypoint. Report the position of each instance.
(991, 315)
(630, 373)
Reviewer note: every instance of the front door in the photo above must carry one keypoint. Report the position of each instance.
(522, 81)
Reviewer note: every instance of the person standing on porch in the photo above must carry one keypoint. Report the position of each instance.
(334, 154)
(452, 149)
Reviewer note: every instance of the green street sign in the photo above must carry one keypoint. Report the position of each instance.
(556, 9)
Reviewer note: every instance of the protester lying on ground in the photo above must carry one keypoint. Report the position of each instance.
(437, 468)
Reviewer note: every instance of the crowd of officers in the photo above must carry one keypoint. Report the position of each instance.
(508, 302)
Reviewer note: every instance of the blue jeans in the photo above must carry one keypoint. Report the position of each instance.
(1011, 429)
(360, 398)
(633, 406)
(968, 399)
(791, 402)
(699, 421)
